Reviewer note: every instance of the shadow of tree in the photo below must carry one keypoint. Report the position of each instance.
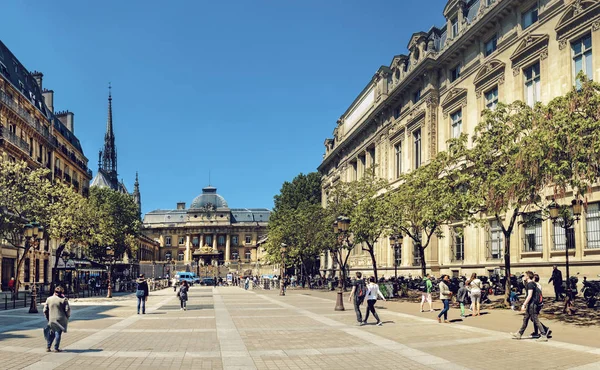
(583, 315)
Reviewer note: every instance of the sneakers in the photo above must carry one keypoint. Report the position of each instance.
(379, 323)
(185, 308)
(516, 335)
(549, 333)
(363, 323)
(421, 311)
(440, 320)
(181, 309)
(463, 316)
(57, 350)
(534, 335)
(542, 338)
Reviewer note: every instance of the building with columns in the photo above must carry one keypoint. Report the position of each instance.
(208, 232)
(487, 51)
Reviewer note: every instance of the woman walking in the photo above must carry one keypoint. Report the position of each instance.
(372, 294)
(474, 284)
(445, 295)
(183, 295)
(141, 293)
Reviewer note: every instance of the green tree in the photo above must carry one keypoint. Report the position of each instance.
(25, 197)
(430, 197)
(500, 184)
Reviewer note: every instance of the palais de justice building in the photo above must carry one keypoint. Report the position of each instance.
(208, 232)
(487, 51)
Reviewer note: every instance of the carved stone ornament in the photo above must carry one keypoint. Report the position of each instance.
(516, 71)
(562, 43)
(478, 94)
(596, 26)
(501, 80)
(544, 54)
(577, 7)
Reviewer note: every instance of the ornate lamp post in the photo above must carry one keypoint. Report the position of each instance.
(562, 215)
(110, 256)
(33, 234)
(396, 244)
(340, 228)
(283, 250)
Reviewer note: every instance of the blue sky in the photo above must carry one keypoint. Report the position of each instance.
(245, 89)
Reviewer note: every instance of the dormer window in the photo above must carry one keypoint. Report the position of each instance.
(417, 96)
(529, 16)
(454, 22)
(455, 73)
(491, 45)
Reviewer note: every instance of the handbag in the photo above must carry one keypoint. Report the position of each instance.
(139, 293)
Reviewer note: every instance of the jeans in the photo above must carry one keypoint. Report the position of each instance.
(54, 335)
(532, 314)
(142, 301)
(444, 311)
(558, 292)
(357, 310)
(371, 308)
(183, 303)
(462, 309)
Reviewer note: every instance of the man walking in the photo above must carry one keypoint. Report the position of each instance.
(357, 295)
(557, 281)
(57, 312)
(530, 308)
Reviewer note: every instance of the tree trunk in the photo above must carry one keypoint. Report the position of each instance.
(423, 263)
(57, 254)
(373, 261)
(18, 274)
(507, 268)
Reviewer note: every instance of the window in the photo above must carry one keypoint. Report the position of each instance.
(459, 246)
(235, 255)
(46, 269)
(417, 148)
(416, 255)
(195, 241)
(221, 240)
(208, 240)
(582, 58)
(181, 240)
(362, 161)
(532, 241)
(234, 239)
(491, 45)
(560, 241)
(398, 158)
(495, 241)
(532, 84)
(398, 255)
(354, 171)
(456, 124)
(417, 96)
(248, 239)
(168, 256)
(168, 241)
(529, 17)
(397, 111)
(371, 153)
(592, 225)
(455, 73)
(454, 27)
(180, 256)
(27, 270)
(491, 99)
(248, 255)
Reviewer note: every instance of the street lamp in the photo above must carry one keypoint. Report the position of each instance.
(396, 244)
(561, 214)
(110, 253)
(34, 233)
(283, 250)
(340, 228)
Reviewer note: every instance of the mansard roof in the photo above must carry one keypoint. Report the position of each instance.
(415, 38)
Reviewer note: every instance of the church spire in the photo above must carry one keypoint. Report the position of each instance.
(137, 197)
(109, 154)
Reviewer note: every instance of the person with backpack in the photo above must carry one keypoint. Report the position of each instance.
(535, 334)
(372, 293)
(445, 296)
(183, 295)
(141, 293)
(425, 288)
(357, 295)
(530, 307)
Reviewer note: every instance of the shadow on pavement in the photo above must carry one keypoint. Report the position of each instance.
(583, 315)
(81, 350)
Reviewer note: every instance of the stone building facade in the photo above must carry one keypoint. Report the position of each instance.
(487, 51)
(32, 131)
(208, 233)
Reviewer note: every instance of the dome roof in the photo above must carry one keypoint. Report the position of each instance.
(209, 199)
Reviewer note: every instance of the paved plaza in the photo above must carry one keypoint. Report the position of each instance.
(230, 328)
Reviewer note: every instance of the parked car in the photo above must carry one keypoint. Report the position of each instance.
(208, 281)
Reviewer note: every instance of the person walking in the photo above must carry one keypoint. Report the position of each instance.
(11, 287)
(141, 293)
(462, 296)
(445, 295)
(372, 293)
(535, 334)
(247, 283)
(357, 295)
(183, 295)
(57, 312)
(474, 284)
(530, 308)
(426, 288)
(557, 281)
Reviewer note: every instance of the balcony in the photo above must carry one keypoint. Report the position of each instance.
(26, 116)
(58, 173)
(15, 140)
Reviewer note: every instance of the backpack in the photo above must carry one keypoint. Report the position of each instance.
(539, 298)
(423, 286)
(361, 291)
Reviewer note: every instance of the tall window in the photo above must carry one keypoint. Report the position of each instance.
(235, 255)
(491, 99)
(180, 256)
(416, 255)
(529, 17)
(195, 241)
(248, 239)
(417, 96)
(454, 27)
(46, 269)
(455, 73)
(371, 153)
(248, 254)
(491, 45)
(592, 224)
(532, 241)
(221, 240)
(181, 240)
(398, 158)
(582, 58)
(27, 270)
(456, 124)
(495, 241)
(417, 147)
(398, 255)
(532, 84)
(459, 246)
(168, 241)
(208, 240)
(234, 240)
(561, 239)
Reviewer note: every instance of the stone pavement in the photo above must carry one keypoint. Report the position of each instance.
(230, 328)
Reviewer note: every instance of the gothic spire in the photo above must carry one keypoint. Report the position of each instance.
(109, 154)
(137, 197)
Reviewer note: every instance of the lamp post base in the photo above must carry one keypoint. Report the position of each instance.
(339, 302)
(33, 305)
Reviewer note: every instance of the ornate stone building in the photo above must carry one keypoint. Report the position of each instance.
(208, 233)
(487, 51)
(30, 130)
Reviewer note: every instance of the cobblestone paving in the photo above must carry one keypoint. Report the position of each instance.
(230, 328)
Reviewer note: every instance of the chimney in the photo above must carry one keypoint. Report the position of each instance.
(180, 205)
(38, 76)
(48, 99)
(68, 119)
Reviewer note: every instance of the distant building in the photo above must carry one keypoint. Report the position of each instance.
(209, 232)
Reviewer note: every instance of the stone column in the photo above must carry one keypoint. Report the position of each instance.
(227, 248)
(188, 252)
(253, 254)
(214, 242)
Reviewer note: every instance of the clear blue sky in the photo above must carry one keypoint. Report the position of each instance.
(245, 89)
